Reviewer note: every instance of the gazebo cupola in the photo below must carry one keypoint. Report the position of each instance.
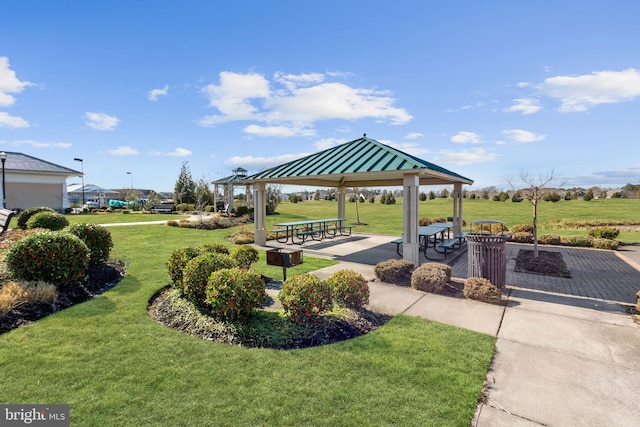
(228, 183)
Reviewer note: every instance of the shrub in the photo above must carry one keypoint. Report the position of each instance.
(480, 289)
(601, 243)
(604, 233)
(177, 261)
(185, 207)
(234, 293)
(217, 248)
(97, 238)
(522, 228)
(394, 270)
(242, 210)
(522, 237)
(431, 277)
(349, 289)
(28, 213)
(244, 256)
(305, 297)
(53, 256)
(424, 221)
(172, 223)
(14, 294)
(549, 239)
(49, 220)
(580, 241)
(197, 271)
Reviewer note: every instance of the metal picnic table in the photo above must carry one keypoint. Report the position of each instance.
(317, 229)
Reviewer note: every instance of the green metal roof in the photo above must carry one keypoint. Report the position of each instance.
(361, 162)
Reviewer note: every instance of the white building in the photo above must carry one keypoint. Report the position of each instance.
(30, 182)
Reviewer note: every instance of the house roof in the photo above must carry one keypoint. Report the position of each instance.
(88, 188)
(361, 162)
(239, 175)
(19, 162)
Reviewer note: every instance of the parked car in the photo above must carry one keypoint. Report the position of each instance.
(163, 208)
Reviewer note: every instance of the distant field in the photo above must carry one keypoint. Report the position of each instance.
(552, 217)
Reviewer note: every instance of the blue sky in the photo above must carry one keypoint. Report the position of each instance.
(489, 89)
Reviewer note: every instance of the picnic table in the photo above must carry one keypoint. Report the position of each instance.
(316, 229)
(436, 235)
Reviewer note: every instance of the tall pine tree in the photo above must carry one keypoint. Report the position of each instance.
(185, 188)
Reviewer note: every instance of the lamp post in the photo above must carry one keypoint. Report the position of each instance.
(131, 173)
(3, 158)
(77, 159)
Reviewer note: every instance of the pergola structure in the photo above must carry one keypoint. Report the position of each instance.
(363, 162)
(227, 183)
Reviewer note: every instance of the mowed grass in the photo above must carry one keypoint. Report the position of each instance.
(116, 367)
(387, 219)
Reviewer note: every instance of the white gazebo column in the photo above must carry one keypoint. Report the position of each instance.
(229, 195)
(457, 208)
(342, 198)
(260, 213)
(410, 245)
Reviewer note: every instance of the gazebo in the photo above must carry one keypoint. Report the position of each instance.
(227, 183)
(360, 163)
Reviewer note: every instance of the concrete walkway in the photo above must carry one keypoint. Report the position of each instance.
(567, 352)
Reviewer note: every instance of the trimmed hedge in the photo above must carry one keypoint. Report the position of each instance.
(305, 297)
(234, 293)
(55, 257)
(96, 237)
(28, 213)
(349, 289)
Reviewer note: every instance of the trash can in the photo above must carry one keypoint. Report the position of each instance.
(486, 249)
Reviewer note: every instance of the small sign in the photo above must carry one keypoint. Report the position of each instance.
(34, 415)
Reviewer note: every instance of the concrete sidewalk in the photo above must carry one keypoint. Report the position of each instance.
(567, 352)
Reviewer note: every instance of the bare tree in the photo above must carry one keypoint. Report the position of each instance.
(273, 195)
(202, 198)
(536, 190)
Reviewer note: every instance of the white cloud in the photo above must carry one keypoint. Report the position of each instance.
(579, 93)
(524, 106)
(414, 135)
(465, 157)
(9, 83)
(123, 151)
(295, 101)
(259, 163)
(154, 94)
(519, 136)
(9, 121)
(412, 148)
(278, 131)
(38, 144)
(101, 121)
(611, 177)
(464, 137)
(327, 143)
(178, 152)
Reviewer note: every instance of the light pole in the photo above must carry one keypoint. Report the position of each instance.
(77, 159)
(3, 158)
(131, 173)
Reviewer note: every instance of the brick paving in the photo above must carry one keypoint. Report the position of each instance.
(597, 274)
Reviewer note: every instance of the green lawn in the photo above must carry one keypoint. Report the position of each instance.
(116, 367)
(387, 219)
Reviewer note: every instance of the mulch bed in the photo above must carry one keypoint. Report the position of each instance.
(100, 278)
(548, 263)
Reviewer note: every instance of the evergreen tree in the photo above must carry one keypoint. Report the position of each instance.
(185, 188)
